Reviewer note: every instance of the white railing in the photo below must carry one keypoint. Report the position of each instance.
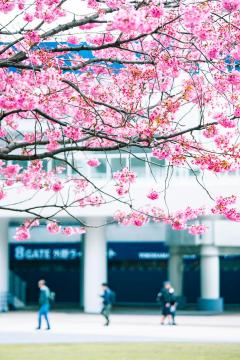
(144, 165)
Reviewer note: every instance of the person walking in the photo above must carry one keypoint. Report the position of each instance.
(108, 299)
(168, 302)
(173, 305)
(44, 303)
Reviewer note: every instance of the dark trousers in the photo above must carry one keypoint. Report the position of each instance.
(106, 312)
(43, 312)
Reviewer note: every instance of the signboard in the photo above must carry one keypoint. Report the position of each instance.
(45, 252)
(151, 250)
(118, 251)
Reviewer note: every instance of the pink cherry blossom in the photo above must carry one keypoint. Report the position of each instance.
(153, 195)
(6, 6)
(22, 233)
(32, 37)
(93, 162)
(2, 194)
(231, 5)
(11, 170)
(57, 186)
(68, 231)
(197, 229)
(53, 227)
(28, 17)
(2, 132)
(73, 39)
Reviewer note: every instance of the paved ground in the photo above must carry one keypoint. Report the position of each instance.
(19, 328)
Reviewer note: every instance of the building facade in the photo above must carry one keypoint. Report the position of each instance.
(135, 262)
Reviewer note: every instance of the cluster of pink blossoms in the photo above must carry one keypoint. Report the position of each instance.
(96, 115)
(54, 228)
(2, 193)
(32, 37)
(34, 177)
(136, 218)
(177, 221)
(23, 232)
(7, 5)
(225, 121)
(231, 5)
(223, 207)
(93, 162)
(210, 131)
(141, 20)
(10, 173)
(91, 200)
(73, 133)
(214, 163)
(197, 229)
(124, 178)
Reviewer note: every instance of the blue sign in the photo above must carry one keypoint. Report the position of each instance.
(46, 252)
(118, 251)
(138, 251)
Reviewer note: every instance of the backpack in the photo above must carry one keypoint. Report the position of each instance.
(159, 297)
(52, 296)
(112, 297)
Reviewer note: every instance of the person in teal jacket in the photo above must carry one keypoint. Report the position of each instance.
(44, 303)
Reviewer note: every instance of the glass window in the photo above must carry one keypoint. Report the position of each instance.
(138, 166)
(194, 172)
(79, 166)
(23, 164)
(117, 163)
(101, 170)
(45, 165)
(60, 164)
(156, 167)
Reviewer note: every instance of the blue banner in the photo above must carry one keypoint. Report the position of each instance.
(118, 251)
(151, 250)
(45, 251)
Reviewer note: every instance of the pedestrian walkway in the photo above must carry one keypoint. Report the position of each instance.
(19, 328)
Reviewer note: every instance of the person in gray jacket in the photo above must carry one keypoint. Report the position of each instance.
(44, 303)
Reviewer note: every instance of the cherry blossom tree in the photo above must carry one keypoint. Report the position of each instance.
(116, 76)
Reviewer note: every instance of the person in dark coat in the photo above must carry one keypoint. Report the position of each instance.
(168, 302)
(44, 303)
(108, 300)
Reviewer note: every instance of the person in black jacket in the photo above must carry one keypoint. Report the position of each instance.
(168, 302)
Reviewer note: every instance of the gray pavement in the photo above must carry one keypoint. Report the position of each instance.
(19, 328)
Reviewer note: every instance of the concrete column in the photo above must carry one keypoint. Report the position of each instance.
(175, 274)
(4, 265)
(95, 265)
(175, 270)
(210, 280)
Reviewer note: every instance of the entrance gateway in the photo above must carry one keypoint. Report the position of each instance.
(132, 267)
